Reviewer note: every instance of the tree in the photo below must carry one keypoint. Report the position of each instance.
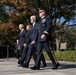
(71, 36)
(20, 11)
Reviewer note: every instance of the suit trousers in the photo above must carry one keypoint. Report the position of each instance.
(46, 46)
(21, 49)
(23, 55)
(32, 51)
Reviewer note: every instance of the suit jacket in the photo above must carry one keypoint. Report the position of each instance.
(22, 37)
(44, 27)
(27, 37)
(34, 32)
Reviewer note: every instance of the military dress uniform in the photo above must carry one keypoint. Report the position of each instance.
(44, 28)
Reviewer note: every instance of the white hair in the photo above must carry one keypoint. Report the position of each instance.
(21, 25)
(33, 16)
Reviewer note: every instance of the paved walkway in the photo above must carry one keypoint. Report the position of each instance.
(10, 68)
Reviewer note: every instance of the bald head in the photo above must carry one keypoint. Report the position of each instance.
(21, 26)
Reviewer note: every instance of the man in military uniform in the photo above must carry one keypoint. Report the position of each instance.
(43, 41)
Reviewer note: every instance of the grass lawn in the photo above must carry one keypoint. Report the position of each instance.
(63, 55)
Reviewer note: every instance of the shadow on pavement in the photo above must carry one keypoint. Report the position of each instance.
(62, 66)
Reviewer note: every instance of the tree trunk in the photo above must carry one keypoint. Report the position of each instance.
(58, 43)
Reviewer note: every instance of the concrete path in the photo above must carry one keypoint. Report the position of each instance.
(11, 68)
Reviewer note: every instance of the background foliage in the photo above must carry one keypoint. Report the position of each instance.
(14, 12)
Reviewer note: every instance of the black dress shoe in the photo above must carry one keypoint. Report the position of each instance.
(35, 68)
(24, 65)
(42, 66)
(58, 64)
(55, 67)
(19, 61)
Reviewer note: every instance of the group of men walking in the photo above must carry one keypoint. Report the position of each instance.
(34, 40)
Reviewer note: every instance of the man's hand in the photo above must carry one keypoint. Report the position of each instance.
(33, 42)
(25, 45)
(17, 41)
(43, 36)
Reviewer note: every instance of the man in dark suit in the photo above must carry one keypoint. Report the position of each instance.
(33, 43)
(21, 39)
(43, 41)
(26, 44)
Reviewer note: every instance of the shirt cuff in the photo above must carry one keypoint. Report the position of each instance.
(45, 32)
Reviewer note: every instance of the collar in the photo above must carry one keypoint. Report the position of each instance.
(22, 30)
(34, 23)
(42, 17)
